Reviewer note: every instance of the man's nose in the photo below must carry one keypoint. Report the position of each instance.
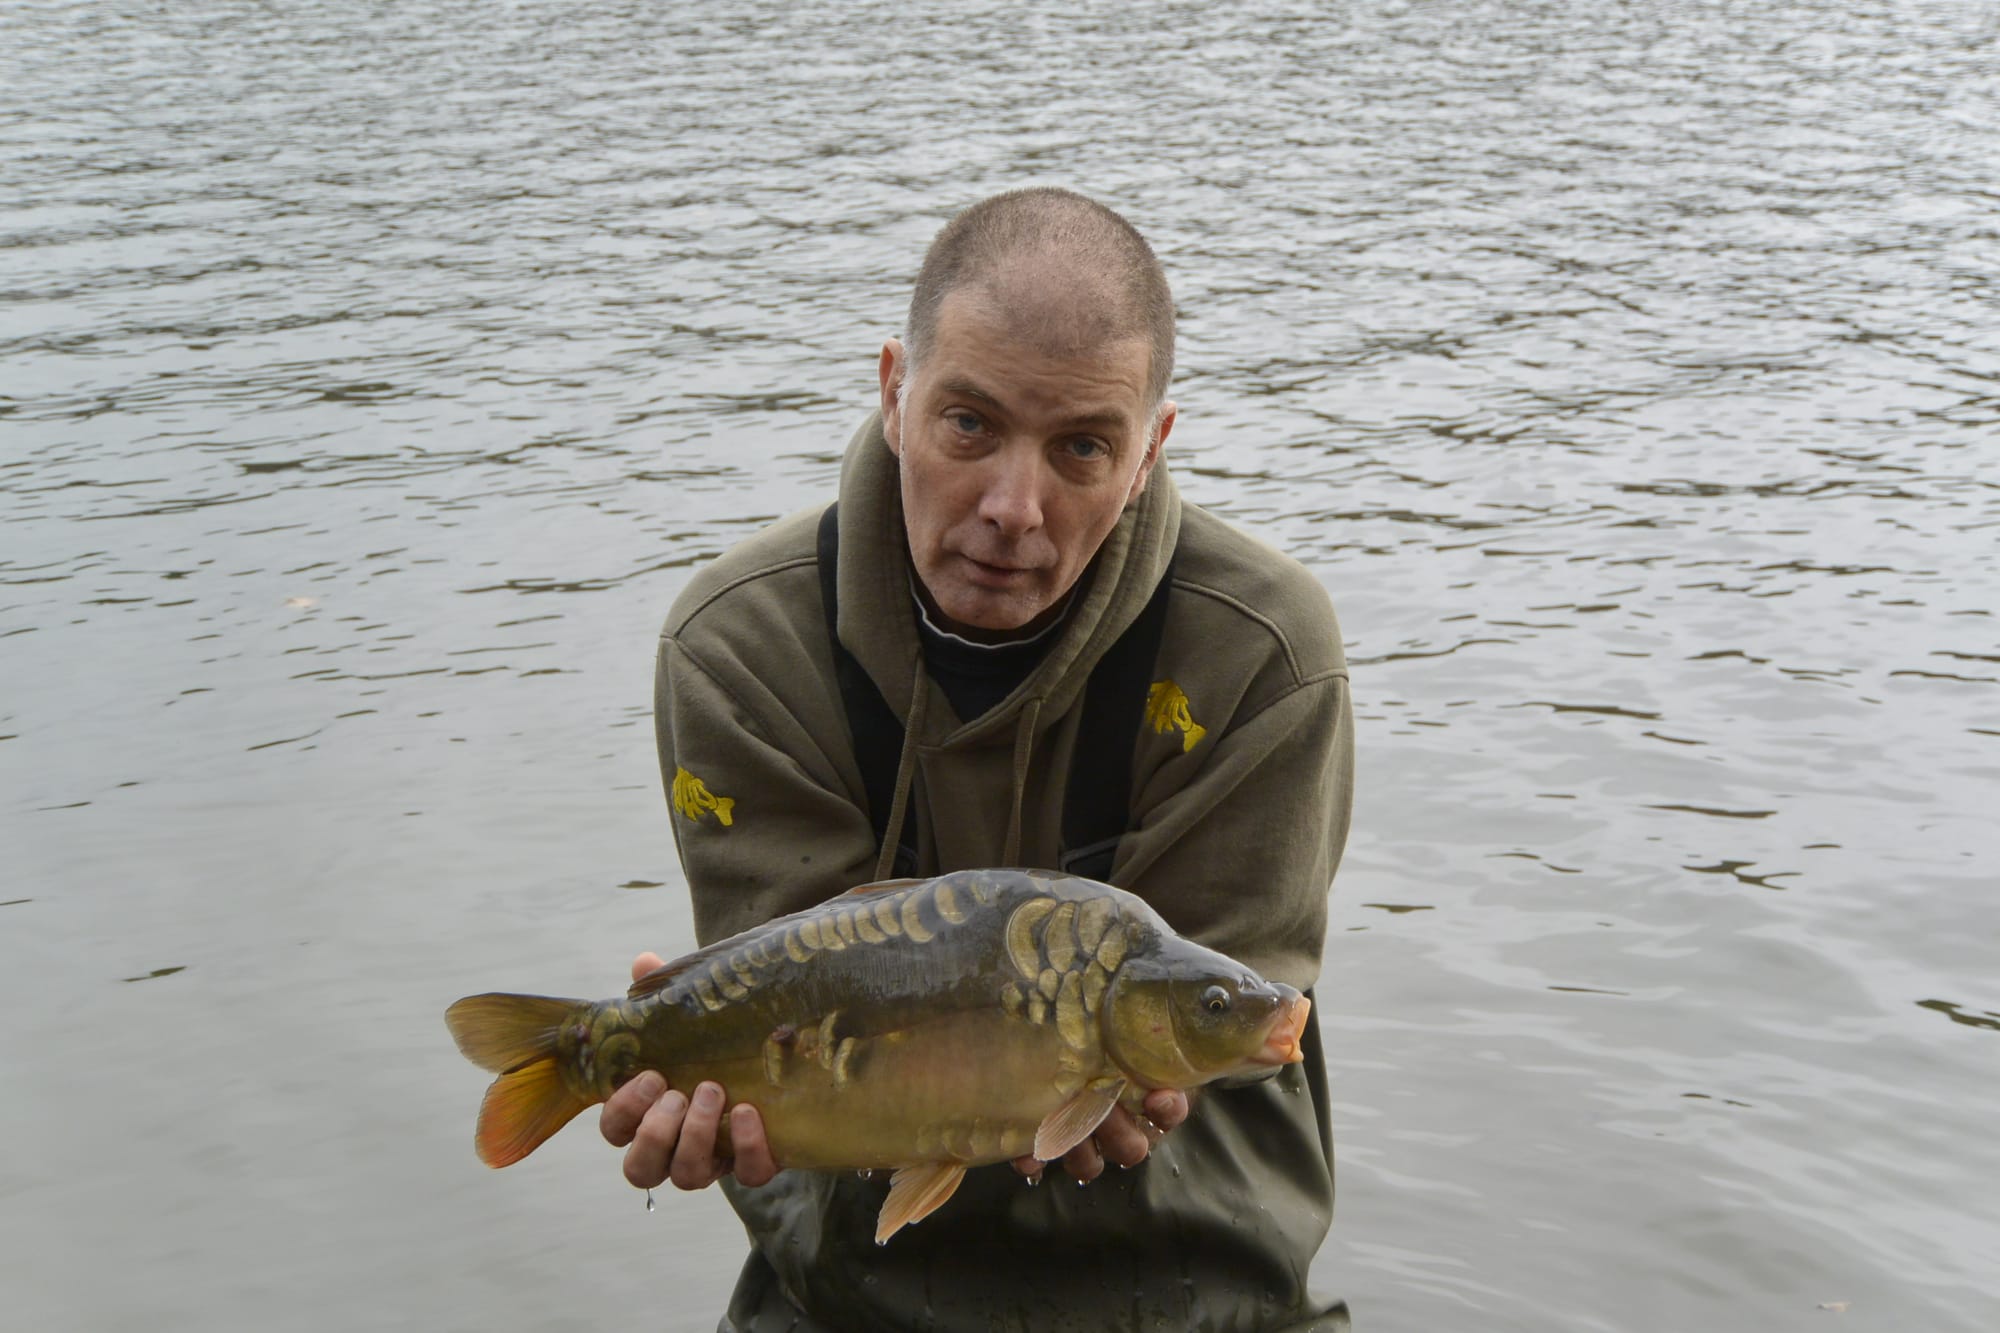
(1012, 500)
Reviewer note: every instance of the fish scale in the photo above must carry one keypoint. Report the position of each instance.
(1055, 946)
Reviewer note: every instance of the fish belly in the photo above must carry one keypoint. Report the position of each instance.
(964, 1086)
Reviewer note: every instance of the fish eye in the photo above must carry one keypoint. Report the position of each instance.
(1216, 1000)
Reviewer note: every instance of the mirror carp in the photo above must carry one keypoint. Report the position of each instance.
(922, 1026)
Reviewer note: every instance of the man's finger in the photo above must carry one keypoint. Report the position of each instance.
(1084, 1162)
(695, 1166)
(1121, 1140)
(754, 1164)
(1166, 1107)
(625, 1108)
(646, 1160)
(646, 964)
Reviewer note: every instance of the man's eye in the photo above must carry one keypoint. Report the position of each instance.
(965, 422)
(1084, 446)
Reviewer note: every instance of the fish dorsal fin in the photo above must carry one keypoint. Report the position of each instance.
(1076, 1119)
(662, 976)
(915, 1192)
(879, 886)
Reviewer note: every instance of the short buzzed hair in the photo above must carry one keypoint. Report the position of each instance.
(1062, 230)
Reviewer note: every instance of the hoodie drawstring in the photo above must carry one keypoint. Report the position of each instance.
(906, 772)
(1024, 743)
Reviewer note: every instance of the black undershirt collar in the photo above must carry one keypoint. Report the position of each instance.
(976, 676)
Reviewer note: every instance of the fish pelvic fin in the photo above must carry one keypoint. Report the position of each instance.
(515, 1036)
(915, 1192)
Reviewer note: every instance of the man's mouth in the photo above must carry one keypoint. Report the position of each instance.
(995, 572)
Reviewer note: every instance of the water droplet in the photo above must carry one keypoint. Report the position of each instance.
(649, 1201)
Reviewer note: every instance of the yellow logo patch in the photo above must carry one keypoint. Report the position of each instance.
(1167, 706)
(693, 799)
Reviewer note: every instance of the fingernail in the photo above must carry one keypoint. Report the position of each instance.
(652, 1083)
(708, 1097)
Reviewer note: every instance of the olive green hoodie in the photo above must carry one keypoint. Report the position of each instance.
(1242, 784)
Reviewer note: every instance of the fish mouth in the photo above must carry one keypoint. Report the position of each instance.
(1282, 1045)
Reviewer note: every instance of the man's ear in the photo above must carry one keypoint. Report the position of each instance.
(1156, 440)
(891, 373)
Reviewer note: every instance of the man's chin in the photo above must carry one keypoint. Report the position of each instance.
(975, 612)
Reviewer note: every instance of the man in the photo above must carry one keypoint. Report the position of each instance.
(1002, 526)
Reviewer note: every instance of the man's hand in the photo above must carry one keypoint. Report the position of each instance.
(667, 1136)
(1123, 1139)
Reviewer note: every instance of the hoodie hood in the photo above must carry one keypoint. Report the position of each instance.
(878, 625)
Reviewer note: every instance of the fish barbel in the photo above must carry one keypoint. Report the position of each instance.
(924, 1026)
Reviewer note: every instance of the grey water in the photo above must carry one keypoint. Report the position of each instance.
(372, 376)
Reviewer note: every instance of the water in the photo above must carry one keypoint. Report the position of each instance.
(372, 376)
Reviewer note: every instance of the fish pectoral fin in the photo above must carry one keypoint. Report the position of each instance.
(915, 1192)
(1076, 1119)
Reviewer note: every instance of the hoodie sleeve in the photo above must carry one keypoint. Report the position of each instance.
(762, 813)
(1239, 852)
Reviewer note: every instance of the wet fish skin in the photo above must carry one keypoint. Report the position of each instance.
(920, 1025)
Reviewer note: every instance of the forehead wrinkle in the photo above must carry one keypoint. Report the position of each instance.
(1044, 319)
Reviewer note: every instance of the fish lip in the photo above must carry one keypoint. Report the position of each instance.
(1284, 1044)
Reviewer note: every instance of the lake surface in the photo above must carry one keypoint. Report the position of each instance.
(372, 377)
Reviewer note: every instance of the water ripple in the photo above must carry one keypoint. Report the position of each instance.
(1628, 375)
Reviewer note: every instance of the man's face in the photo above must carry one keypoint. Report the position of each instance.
(1016, 460)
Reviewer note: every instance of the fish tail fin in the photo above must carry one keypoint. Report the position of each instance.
(522, 1109)
(516, 1036)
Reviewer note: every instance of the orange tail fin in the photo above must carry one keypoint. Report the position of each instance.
(515, 1037)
